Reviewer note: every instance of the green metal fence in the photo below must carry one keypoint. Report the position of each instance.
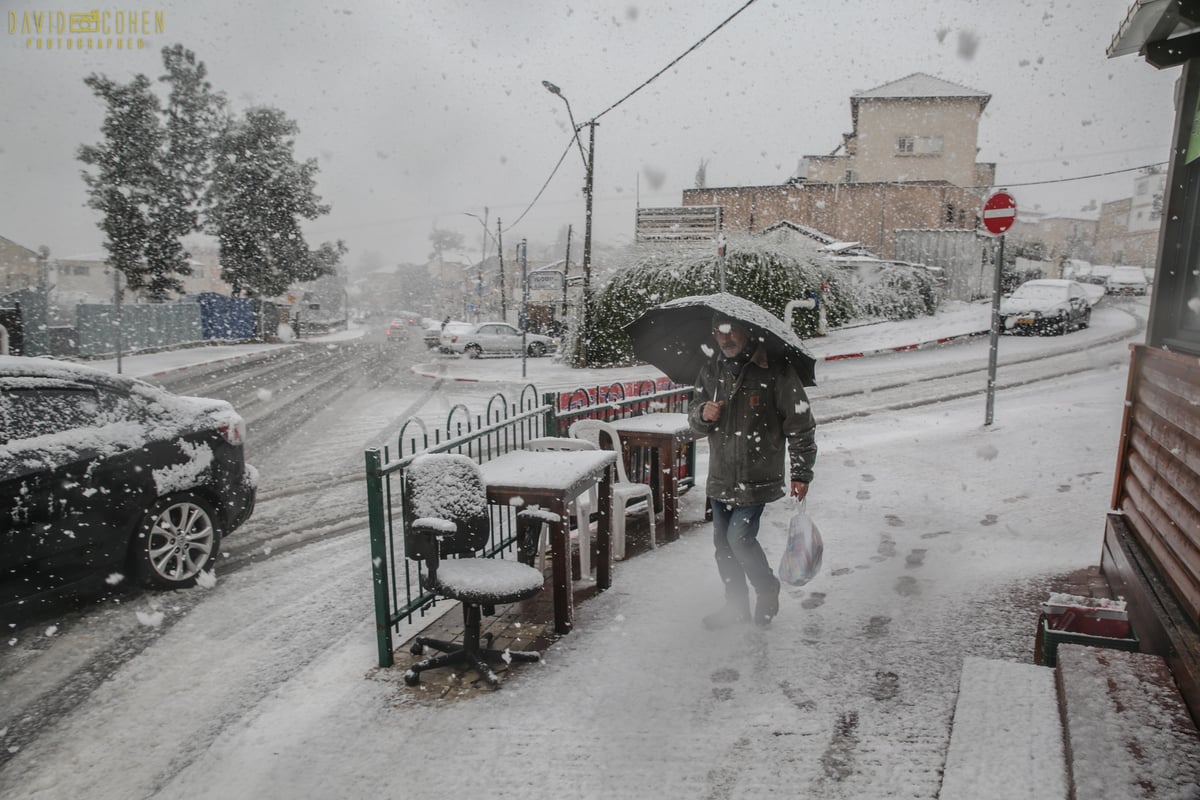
(503, 426)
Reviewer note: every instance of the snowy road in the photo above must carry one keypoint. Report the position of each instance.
(938, 533)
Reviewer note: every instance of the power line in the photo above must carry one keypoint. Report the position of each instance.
(643, 85)
(1077, 177)
(553, 172)
(651, 79)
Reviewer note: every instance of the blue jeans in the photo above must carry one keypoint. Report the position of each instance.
(740, 558)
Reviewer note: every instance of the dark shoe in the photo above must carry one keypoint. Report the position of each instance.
(767, 606)
(731, 613)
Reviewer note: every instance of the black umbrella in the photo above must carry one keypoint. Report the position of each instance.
(676, 336)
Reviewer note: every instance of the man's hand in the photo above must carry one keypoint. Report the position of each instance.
(711, 411)
(799, 490)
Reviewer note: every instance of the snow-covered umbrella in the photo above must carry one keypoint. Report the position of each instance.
(676, 336)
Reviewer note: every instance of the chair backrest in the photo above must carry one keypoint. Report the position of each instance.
(447, 487)
(596, 431)
(560, 443)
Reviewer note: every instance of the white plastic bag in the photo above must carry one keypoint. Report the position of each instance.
(801, 559)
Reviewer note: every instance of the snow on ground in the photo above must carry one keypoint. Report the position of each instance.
(929, 521)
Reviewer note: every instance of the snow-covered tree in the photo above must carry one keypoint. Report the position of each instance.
(127, 175)
(258, 195)
(151, 170)
(444, 241)
(191, 118)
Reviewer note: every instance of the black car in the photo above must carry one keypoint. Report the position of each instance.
(1049, 305)
(107, 479)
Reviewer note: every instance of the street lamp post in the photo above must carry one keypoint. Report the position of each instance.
(588, 161)
(479, 278)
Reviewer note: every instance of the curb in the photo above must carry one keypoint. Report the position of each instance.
(418, 370)
(206, 365)
(903, 347)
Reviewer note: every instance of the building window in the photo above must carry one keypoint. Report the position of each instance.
(79, 270)
(919, 145)
(851, 176)
(949, 213)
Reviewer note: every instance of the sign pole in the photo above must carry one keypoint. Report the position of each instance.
(999, 214)
(994, 340)
(721, 259)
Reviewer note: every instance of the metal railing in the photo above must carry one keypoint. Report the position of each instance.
(503, 426)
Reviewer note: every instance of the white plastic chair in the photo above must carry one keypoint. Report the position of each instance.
(581, 507)
(624, 490)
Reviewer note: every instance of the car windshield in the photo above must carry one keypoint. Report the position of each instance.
(1040, 293)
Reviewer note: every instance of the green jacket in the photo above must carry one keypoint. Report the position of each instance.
(765, 406)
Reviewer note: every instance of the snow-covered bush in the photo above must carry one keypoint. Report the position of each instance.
(770, 273)
(767, 273)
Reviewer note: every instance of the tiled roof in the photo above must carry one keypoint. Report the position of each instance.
(921, 85)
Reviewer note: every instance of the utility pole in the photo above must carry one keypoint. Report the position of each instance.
(586, 331)
(566, 270)
(589, 161)
(479, 278)
(522, 254)
(500, 250)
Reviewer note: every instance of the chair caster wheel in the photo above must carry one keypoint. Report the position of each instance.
(417, 649)
(411, 678)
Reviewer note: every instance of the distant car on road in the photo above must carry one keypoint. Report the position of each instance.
(397, 331)
(104, 478)
(1046, 306)
(496, 338)
(1126, 280)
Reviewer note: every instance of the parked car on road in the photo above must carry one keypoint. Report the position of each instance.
(1046, 306)
(104, 478)
(432, 334)
(1098, 274)
(1126, 280)
(496, 338)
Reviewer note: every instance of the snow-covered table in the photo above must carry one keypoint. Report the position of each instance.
(662, 434)
(551, 480)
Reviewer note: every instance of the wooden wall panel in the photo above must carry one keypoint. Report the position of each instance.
(1157, 485)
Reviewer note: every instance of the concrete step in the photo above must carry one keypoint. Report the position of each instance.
(1129, 735)
(1006, 740)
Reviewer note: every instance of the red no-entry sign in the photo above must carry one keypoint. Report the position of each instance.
(999, 213)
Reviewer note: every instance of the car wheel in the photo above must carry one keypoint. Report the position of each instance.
(177, 539)
(1064, 325)
(537, 350)
(473, 351)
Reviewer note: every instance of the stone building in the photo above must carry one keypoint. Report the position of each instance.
(909, 162)
(20, 267)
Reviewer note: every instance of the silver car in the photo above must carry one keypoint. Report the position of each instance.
(496, 338)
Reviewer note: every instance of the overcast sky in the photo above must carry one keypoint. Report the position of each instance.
(420, 110)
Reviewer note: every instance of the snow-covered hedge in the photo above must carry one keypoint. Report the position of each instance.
(768, 273)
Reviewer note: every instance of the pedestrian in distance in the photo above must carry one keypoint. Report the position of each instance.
(751, 408)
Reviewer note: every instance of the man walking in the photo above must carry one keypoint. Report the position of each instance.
(748, 406)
